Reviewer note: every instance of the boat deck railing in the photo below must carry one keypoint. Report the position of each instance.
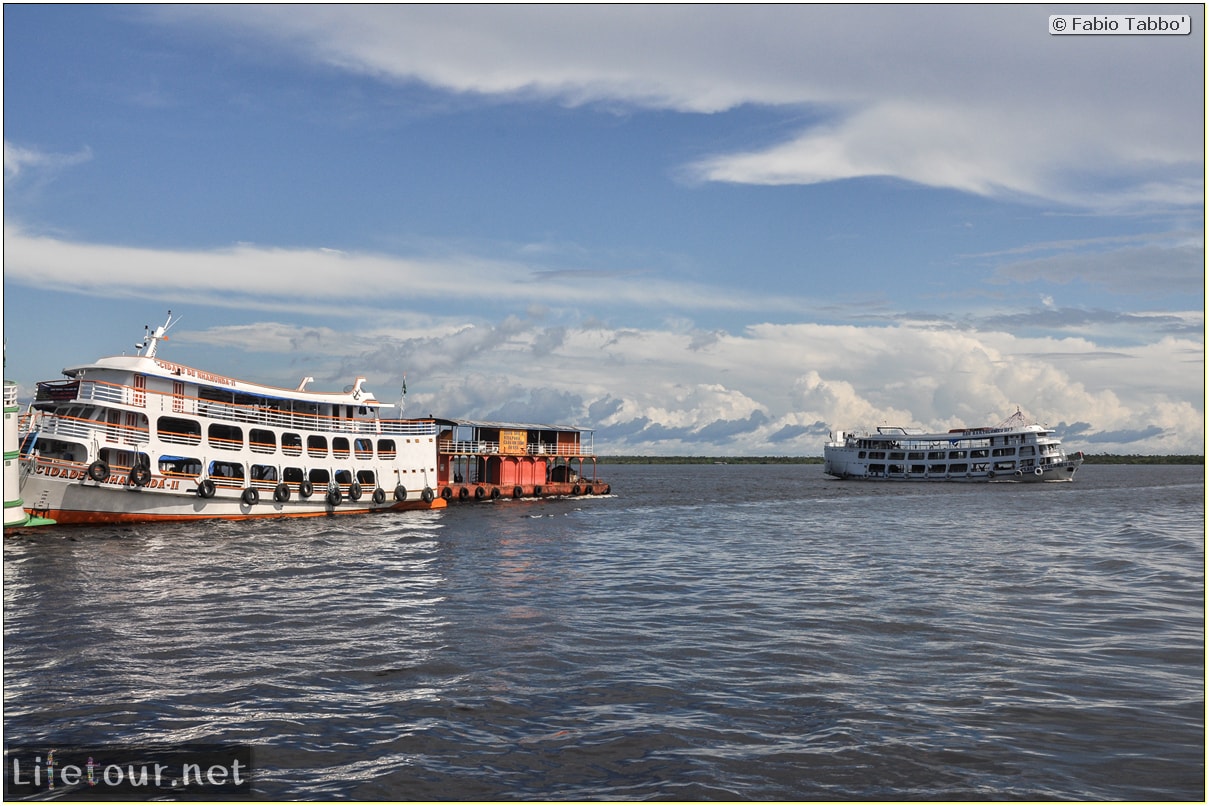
(480, 447)
(155, 403)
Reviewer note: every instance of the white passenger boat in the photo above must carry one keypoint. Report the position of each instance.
(138, 438)
(1015, 450)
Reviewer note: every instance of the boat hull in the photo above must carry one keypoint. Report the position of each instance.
(69, 500)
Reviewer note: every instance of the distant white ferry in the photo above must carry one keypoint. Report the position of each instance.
(1015, 450)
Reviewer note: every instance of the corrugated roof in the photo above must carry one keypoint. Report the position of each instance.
(513, 426)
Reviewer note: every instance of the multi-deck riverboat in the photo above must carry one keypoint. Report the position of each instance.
(138, 438)
(1015, 450)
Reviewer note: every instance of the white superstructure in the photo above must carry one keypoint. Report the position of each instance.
(1015, 450)
(138, 438)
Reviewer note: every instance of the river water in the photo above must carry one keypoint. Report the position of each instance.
(723, 632)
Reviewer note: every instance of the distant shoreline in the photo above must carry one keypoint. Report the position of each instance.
(1088, 458)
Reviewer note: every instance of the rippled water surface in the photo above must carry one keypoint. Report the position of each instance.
(708, 632)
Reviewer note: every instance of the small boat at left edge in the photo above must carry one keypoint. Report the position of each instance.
(136, 438)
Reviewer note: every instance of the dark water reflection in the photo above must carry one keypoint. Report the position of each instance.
(711, 632)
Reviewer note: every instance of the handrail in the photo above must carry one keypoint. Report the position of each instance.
(155, 402)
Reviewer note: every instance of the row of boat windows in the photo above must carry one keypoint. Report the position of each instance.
(977, 453)
(232, 473)
(956, 467)
(231, 437)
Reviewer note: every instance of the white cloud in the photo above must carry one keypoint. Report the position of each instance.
(976, 98)
(19, 161)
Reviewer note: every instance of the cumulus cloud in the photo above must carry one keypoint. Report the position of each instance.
(979, 99)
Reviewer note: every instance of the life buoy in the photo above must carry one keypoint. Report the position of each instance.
(98, 471)
(205, 488)
(354, 491)
(1019, 473)
(282, 493)
(479, 493)
(1038, 472)
(305, 488)
(427, 495)
(334, 496)
(463, 494)
(447, 493)
(400, 493)
(140, 475)
(251, 496)
(517, 492)
(379, 495)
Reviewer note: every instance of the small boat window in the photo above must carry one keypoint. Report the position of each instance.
(319, 476)
(897, 455)
(340, 447)
(316, 446)
(933, 455)
(226, 437)
(915, 455)
(293, 475)
(262, 441)
(936, 469)
(344, 477)
(981, 453)
(1004, 452)
(860, 455)
(959, 468)
(386, 449)
(366, 477)
(877, 454)
(896, 468)
(291, 444)
(179, 431)
(918, 469)
(264, 473)
(227, 474)
(1028, 450)
(363, 448)
(957, 454)
(186, 466)
(877, 468)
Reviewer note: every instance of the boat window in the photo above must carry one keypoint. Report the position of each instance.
(264, 473)
(316, 445)
(291, 444)
(1028, 450)
(262, 441)
(981, 453)
(932, 455)
(957, 454)
(227, 474)
(960, 468)
(918, 469)
(187, 466)
(936, 469)
(344, 477)
(319, 476)
(877, 454)
(227, 437)
(386, 449)
(877, 468)
(897, 455)
(860, 455)
(293, 475)
(364, 448)
(178, 431)
(1005, 465)
(915, 455)
(896, 468)
(1004, 452)
(340, 447)
(366, 477)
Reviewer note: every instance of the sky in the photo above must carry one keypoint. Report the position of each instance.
(697, 230)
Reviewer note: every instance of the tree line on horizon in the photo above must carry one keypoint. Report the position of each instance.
(1088, 458)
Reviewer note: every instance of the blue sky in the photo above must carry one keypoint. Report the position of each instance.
(697, 230)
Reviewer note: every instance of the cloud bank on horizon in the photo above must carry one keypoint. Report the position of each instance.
(706, 230)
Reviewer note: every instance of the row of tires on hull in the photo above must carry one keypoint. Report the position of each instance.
(482, 493)
(140, 475)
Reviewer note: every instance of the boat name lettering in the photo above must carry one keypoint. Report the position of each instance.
(179, 369)
(114, 478)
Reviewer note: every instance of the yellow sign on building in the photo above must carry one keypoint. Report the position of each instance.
(513, 442)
